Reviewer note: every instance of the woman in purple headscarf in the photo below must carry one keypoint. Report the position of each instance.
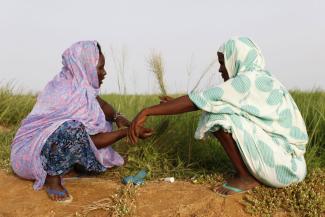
(69, 125)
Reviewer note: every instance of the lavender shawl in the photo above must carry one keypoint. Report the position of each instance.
(71, 95)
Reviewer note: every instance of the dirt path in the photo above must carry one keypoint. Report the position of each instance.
(154, 199)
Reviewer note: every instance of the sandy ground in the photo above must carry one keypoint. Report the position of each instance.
(154, 199)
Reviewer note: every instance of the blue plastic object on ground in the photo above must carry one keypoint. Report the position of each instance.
(138, 179)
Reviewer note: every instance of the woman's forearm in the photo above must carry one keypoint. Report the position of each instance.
(176, 106)
(111, 115)
(102, 140)
(107, 109)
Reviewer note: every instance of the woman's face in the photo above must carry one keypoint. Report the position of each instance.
(222, 69)
(101, 72)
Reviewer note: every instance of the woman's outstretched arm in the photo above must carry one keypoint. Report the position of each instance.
(102, 140)
(172, 107)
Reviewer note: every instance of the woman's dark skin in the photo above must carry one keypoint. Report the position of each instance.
(100, 140)
(169, 106)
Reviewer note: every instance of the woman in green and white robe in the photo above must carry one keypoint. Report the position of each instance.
(252, 115)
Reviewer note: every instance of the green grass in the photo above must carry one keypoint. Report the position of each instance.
(302, 199)
(173, 151)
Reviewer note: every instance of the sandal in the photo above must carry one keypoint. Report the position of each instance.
(60, 193)
(231, 188)
(138, 179)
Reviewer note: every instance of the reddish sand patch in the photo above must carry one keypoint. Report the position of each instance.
(154, 199)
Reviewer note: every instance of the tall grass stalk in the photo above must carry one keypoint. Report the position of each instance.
(157, 67)
(205, 71)
(119, 62)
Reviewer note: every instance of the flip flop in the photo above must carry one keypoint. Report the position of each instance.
(60, 193)
(231, 188)
(138, 179)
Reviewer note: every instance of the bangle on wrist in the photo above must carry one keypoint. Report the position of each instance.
(116, 116)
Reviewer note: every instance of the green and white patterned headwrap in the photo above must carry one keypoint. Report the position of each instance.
(248, 59)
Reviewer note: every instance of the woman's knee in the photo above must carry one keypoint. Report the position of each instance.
(75, 127)
(222, 135)
(77, 124)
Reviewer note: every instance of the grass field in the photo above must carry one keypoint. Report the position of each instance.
(173, 151)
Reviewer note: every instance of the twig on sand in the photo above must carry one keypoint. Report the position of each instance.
(120, 204)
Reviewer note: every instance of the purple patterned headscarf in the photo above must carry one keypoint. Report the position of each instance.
(71, 95)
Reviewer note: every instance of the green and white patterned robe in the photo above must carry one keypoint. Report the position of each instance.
(259, 113)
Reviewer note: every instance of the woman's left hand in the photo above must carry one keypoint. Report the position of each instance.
(121, 121)
(138, 121)
(144, 133)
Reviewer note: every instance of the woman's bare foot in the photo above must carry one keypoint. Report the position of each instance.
(54, 188)
(241, 183)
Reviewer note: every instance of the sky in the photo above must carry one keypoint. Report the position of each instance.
(187, 33)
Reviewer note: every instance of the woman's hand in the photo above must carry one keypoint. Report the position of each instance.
(164, 99)
(137, 122)
(176, 106)
(121, 121)
(144, 133)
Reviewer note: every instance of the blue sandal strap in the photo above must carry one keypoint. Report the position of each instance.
(56, 192)
(237, 190)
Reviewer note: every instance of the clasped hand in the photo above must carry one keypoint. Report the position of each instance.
(138, 122)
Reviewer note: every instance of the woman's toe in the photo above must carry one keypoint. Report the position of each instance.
(224, 191)
(55, 197)
(52, 197)
(220, 190)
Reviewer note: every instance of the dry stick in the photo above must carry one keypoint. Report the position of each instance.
(203, 74)
(119, 63)
(114, 205)
(197, 84)
(189, 70)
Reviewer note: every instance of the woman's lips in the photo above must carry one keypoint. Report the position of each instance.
(101, 80)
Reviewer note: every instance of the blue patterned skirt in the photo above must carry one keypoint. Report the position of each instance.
(67, 147)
